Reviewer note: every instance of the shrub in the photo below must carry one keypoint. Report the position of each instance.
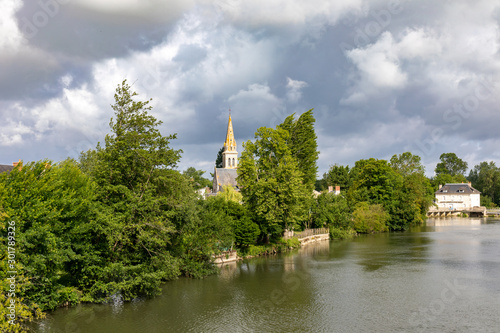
(370, 218)
(338, 233)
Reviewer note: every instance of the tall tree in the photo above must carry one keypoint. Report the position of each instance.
(137, 189)
(270, 181)
(417, 192)
(451, 164)
(303, 145)
(219, 159)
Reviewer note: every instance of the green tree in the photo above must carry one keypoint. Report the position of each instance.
(370, 218)
(407, 164)
(485, 177)
(331, 211)
(375, 182)
(417, 193)
(303, 145)
(57, 237)
(338, 175)
(450, 164)
(228, 193)
(138, 192)
(196, 178)
(219, 160)
(271, 183)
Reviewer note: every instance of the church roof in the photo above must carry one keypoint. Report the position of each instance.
(226, 176)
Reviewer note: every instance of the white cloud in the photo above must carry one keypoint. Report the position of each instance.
(294, 89)
(378, 64)
(10, 36)
(284, 12)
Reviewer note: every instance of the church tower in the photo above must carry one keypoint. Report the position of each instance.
(230, 155)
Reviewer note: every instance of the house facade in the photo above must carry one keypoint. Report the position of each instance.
(457, 197)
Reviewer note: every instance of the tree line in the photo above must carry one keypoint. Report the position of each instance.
(122, 219)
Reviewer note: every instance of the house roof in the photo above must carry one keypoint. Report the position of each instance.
(6, 168)
(459, 188)
(226, 176)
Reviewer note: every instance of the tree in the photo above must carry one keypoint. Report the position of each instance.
(450, 164)
(417, 191)
(407, 164)
(219, 159)
(375, 182)
(331, 211)
(52, 206)
(270, 182)
(303, 145)
(338, 175)
(369, 219)
(228, 193)
(196, 178)
(138, 194)
(485, 177)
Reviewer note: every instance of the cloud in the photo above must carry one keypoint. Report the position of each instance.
(294, 89)
(418, 76)
(378, 64)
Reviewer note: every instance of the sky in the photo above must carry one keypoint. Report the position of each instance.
(383, 77)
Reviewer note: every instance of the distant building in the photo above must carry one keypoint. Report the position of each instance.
(9, 168)
(336, 191)
(227, 174)
(457, 197)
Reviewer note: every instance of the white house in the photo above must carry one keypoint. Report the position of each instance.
(457, 197)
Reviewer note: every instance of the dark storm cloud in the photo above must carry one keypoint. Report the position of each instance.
(384, 77)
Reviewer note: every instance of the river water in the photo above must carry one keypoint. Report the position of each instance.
(441, 277)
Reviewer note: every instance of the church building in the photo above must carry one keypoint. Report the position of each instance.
(227, 174)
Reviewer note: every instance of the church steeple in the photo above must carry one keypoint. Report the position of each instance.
(230, 155)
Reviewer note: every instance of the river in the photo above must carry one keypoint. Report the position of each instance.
(440, 277)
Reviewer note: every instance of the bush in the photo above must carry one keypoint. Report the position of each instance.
(338, 233)
(370, 218)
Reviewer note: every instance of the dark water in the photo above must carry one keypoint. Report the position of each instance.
(442, 277)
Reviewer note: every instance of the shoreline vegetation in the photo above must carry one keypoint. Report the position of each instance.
(121, 220)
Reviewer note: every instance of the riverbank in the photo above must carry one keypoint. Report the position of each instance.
(289, 242)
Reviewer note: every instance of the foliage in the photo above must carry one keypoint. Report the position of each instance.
(400, 187)
(331, 211)
(196, 178)
(339, 233)
(205, 228)
(219, 159)
(25, 310)
(246, 232)
(407, 164)
(417, 193)
(485, 177)
(370, 218)
(338, 175)
(450, 164)
(444, 178)
(271, 183)
(303, 145)
(56, 231)
(137, 195)
(228, 193)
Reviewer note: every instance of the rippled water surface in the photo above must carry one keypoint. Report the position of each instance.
(442, 277)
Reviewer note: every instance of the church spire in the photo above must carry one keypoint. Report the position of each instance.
(230, 155)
